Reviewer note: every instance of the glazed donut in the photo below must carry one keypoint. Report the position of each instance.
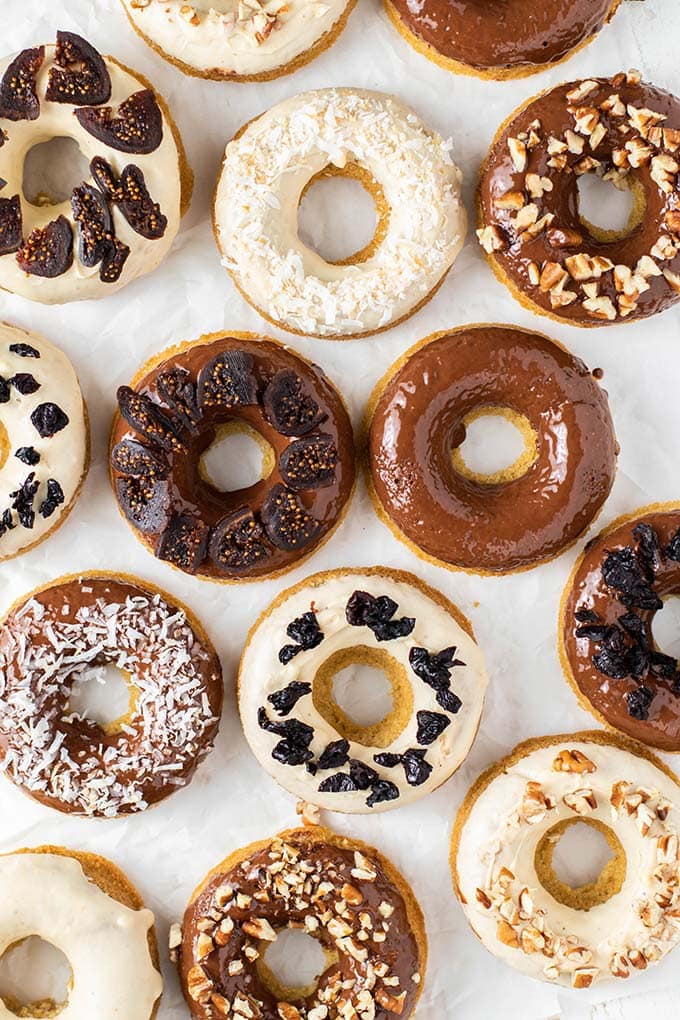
(88, 908)
(552, 260)
(54, 639)
(117, 225)
(338, 890)
(607, 647)
(503, 843)
(405, 166)
(514, 519)
(383, 618)
(44, 439)
(508, 40)
(181, 402)
(257, 41)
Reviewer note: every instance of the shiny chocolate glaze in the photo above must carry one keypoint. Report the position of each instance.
(418, 420)
(189, 493)
(495, 34)
(588, 591)
(302, 879)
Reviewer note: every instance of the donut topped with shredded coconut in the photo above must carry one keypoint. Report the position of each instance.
(61, 637)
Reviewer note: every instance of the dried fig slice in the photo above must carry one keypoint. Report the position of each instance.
(115, 257)
(133, 458)
(131, 195)
(81, 77)
(291, 410)
(11, 225)
(227, 381)
(136, 128)
(95, 226)
(287, 523)
(309, 463)
(148, 418)
(238, 542)
(144, 502)
(176, 387)
(183, 543)
(48, 251)
(18, 96)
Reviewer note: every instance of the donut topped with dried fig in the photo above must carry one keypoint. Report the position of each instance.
(552, 259)
(186, 401)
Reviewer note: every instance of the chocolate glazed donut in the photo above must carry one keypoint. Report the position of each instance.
(516, 518)
(179, 404)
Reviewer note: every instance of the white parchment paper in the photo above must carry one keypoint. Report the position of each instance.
(232, 801)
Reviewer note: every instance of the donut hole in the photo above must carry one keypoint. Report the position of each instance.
(104, 695)
(494, 445)
(52, 170)
(580, 862)
(609, 210)
(666, 626)
(364, 694)
(35, 978)
(237, 458)
(343, 215)
(291, 966)
(4, 446)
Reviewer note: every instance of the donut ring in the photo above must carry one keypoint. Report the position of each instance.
(120, 223)
(553, 261)
(256, 42)
(334, 888)
(56, 636)
(268, 166)
(517, 518)
(86, 906)
(44, 443)
(501, 854)
(181, 401)
(606, 643)
(384, 618)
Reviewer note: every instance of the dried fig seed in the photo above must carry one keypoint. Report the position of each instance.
(136, 128)
(133, 458)
(81, 77)
(145, 502)
(176, 387)
(288, 407)
(18, 96)
(286, 521)
(148, 418)
(227, 381)
(95, 226)
(113, 262)
(131, 195)
(238, 542)
(11, 225)
(183, 543)
(48, 251)
(309, 463)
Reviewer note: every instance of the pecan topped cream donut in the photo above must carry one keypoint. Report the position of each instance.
(553, 260)
(607, 646)
(119, 223)
(185, 399)
(341, 892)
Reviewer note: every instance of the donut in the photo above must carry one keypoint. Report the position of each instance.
(405, 166)
(387, 619)
(513, 519)
(256, 41)
(56, 637)
(182, 401)
(606, 645)
(341, 892)
(84, 905)
(502, 850)
(44, 439)
(119, 223)
(554, 261)
(509, 40)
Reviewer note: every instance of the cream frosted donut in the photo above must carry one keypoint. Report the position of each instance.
(407, 168)
(258, 40)
(378, 617)
(120, 223)
(502, 851)
(43, 439)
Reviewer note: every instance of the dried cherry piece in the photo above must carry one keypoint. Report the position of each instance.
(387, 759)
(416, 769)
(148, 418)
(430, 726)
(227, 381)
(636, 627)
(238, 541)
(48, 251)
(622, 571)
(28, 455)
(306, 633)
(382, 790)
(288, 407)
(638, 701)
(309, 463)
(11, 225)
(24, 350)
(144, 502)
(176, 387)
(365, 610)
(434, 668)
(48, 419)
(25, 383)
(53, 498)
(285, 700)
(663, 665)
(586, 616)
(136, 128)
(649, 550)
(22, 500)
(286, 521)
(131, 195)
(81, 76)
(18, 96)
(95, 227)
(593, 631)
(449, 701)
(183, 543)
(362, 775)
(133, 458)
(293, 749)
(673, 547)
(5, 391)
(339, 782)
(6, 522)
(334, 755)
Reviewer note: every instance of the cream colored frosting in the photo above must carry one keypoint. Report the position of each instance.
(239, 37)
(62, 456)
(262, 674)
(105, 942)
(264, 174)
(503, 830)
(161, 172)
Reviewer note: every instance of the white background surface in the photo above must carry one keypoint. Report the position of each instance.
(232, 801)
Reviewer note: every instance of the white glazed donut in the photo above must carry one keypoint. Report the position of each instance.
(253, 40)
(117, 225)
(379, 617)
(505, 825)
(265, 172)
(43, 439)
